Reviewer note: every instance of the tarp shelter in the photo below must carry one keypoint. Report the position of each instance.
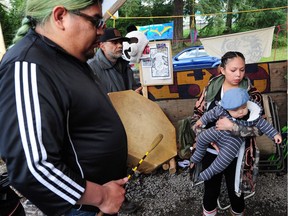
(143, 120)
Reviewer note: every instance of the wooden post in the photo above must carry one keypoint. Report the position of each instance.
(113, 9)
(165, 166)
(172, 166)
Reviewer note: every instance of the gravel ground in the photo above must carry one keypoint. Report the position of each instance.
(165, 194)
(162, 193)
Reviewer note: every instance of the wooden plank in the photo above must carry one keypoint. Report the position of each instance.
(278, 70)
(281, 101)
(181, 108)
(177, 109)
(113, 9)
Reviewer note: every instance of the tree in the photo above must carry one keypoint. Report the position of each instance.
(233, 20)
(189, 9)
(178, 21)
(147, 8)
(260, 19)
(4, 18)
(215, 23)
(11, 19)
(132, 8)
(229, 16)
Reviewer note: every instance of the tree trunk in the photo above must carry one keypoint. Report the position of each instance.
(192, 12)
(229, 16)
(178, 21)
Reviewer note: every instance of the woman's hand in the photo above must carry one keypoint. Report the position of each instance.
(224, 123)
(198, 124)
(191, 166)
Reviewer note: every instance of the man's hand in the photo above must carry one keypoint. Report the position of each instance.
(139, 90)
(114, 195)
(108, 197)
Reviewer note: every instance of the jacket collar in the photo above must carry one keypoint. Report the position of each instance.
(215, 84)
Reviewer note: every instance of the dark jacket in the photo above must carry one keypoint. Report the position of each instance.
(58, 128)
(113, 79)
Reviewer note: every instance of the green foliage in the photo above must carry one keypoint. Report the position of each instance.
(5, 25)
(135, 8)
(274, 158)
(11, 20)
(260, 19)
(277, 54)
(281, 41)
(241, 21)
(214, 27)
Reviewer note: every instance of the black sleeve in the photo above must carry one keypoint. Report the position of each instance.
(31, 139)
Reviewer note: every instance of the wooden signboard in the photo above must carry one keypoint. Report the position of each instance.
(156, 66)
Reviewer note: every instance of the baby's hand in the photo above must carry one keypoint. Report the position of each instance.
(198, 123)
(278, 139)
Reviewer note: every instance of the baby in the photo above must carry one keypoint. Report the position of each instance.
(236, 106)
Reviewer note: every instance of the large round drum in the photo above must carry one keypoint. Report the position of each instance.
(144, 120)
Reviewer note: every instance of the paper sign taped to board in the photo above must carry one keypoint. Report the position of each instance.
(156, 67)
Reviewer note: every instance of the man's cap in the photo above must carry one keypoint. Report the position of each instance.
(111, 34)
(234, 98)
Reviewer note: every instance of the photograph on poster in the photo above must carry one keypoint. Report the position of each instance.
(147, 62)
(156, 68)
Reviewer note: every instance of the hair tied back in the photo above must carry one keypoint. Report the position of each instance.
(32, 21)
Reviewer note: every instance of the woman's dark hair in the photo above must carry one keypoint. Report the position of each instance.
(230, 55)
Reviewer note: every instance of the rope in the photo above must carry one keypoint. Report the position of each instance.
(193, 15)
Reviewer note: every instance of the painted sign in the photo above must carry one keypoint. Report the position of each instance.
(158, 31)
(189, 84)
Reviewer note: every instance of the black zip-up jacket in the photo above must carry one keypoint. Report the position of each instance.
(58, 128)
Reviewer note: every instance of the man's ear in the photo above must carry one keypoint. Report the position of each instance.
(58, 15)
(102, 45)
